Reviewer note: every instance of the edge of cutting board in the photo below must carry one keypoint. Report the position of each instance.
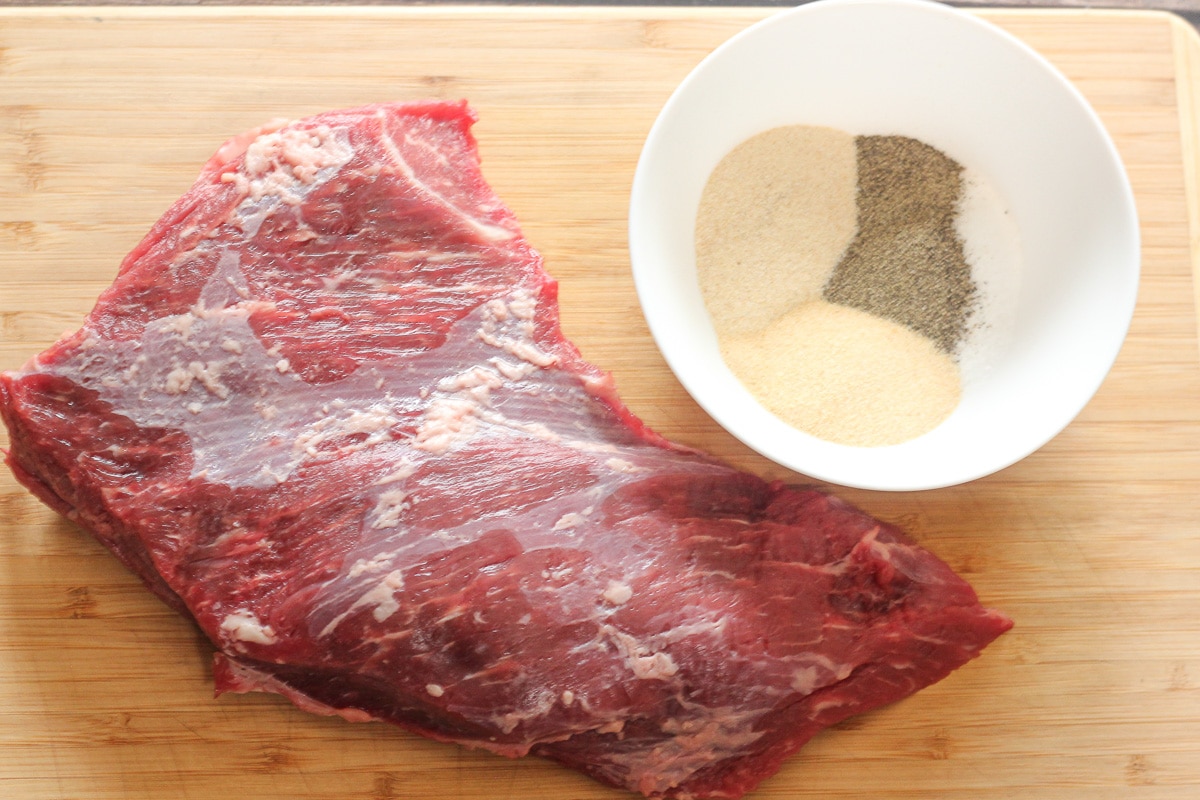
(313, 8)
(1186, 43)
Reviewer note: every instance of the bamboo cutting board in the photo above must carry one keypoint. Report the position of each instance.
(1091, 544)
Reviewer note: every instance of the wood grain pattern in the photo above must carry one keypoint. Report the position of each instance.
(1092, 544)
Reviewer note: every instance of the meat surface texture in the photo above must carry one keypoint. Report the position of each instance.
(326, 411)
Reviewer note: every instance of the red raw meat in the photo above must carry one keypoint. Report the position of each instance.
(327, 411)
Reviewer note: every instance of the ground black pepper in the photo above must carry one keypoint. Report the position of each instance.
(906, 263)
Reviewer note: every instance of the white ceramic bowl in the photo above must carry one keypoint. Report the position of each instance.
(952, 80)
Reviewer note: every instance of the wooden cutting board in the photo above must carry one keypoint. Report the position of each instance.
(1091, 544)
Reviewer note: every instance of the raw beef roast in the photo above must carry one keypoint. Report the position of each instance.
(327, 411)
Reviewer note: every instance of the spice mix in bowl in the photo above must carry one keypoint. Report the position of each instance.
(884, 243)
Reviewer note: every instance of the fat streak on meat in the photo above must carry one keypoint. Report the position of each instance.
(327, 411)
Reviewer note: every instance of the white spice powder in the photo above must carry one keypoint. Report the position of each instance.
(845, 375)
(775, 217)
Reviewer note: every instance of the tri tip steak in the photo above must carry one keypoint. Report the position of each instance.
(327, 411)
